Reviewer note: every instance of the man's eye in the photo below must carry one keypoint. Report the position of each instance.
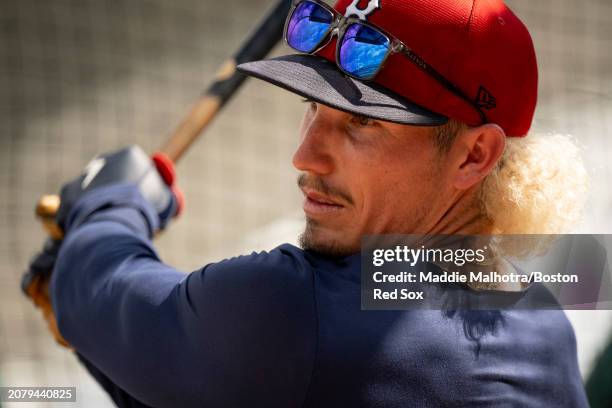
(364, 120)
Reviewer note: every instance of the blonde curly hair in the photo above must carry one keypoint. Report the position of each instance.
(539, 186)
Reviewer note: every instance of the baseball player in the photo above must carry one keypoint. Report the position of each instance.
(416, 117)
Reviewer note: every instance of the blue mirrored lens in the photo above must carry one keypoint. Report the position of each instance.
(308, 26)
(362, 50)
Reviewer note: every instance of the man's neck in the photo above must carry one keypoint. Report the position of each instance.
(464, 217)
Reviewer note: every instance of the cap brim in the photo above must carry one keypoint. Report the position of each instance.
(315, 78)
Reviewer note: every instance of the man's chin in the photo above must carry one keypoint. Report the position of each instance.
(325, 242)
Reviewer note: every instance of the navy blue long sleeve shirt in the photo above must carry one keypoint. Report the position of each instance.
(283, 328)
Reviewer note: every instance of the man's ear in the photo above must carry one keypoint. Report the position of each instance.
(476, 152)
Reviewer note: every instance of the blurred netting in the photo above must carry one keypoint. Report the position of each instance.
(80, 77)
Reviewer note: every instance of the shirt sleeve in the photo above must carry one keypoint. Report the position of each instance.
(241, 332)
(121, 398)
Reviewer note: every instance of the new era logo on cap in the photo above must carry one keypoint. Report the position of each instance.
(479, 45)
(484, 99)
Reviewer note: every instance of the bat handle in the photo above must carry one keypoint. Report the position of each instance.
(46, 210)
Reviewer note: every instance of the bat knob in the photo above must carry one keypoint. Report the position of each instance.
(46, 210)
(47, 206)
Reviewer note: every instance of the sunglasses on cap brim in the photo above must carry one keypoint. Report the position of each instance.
(362, 48)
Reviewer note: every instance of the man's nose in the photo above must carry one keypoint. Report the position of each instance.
(316, 151)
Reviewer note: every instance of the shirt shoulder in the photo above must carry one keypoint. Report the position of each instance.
(274, 287)
(256, 314)
(281, 266)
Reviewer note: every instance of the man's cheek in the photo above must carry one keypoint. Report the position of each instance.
(372, 213)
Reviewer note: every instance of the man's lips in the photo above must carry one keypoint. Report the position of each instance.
(319, 204)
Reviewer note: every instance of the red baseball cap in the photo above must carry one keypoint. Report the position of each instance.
(480, 46)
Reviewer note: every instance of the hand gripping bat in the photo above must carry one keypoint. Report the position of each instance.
(228, 80)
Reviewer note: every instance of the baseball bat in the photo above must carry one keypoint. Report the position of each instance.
(227, 81)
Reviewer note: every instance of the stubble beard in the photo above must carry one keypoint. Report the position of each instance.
(330, 248)
(336, 248)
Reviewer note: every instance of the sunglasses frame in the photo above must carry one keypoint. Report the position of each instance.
(338, 28)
